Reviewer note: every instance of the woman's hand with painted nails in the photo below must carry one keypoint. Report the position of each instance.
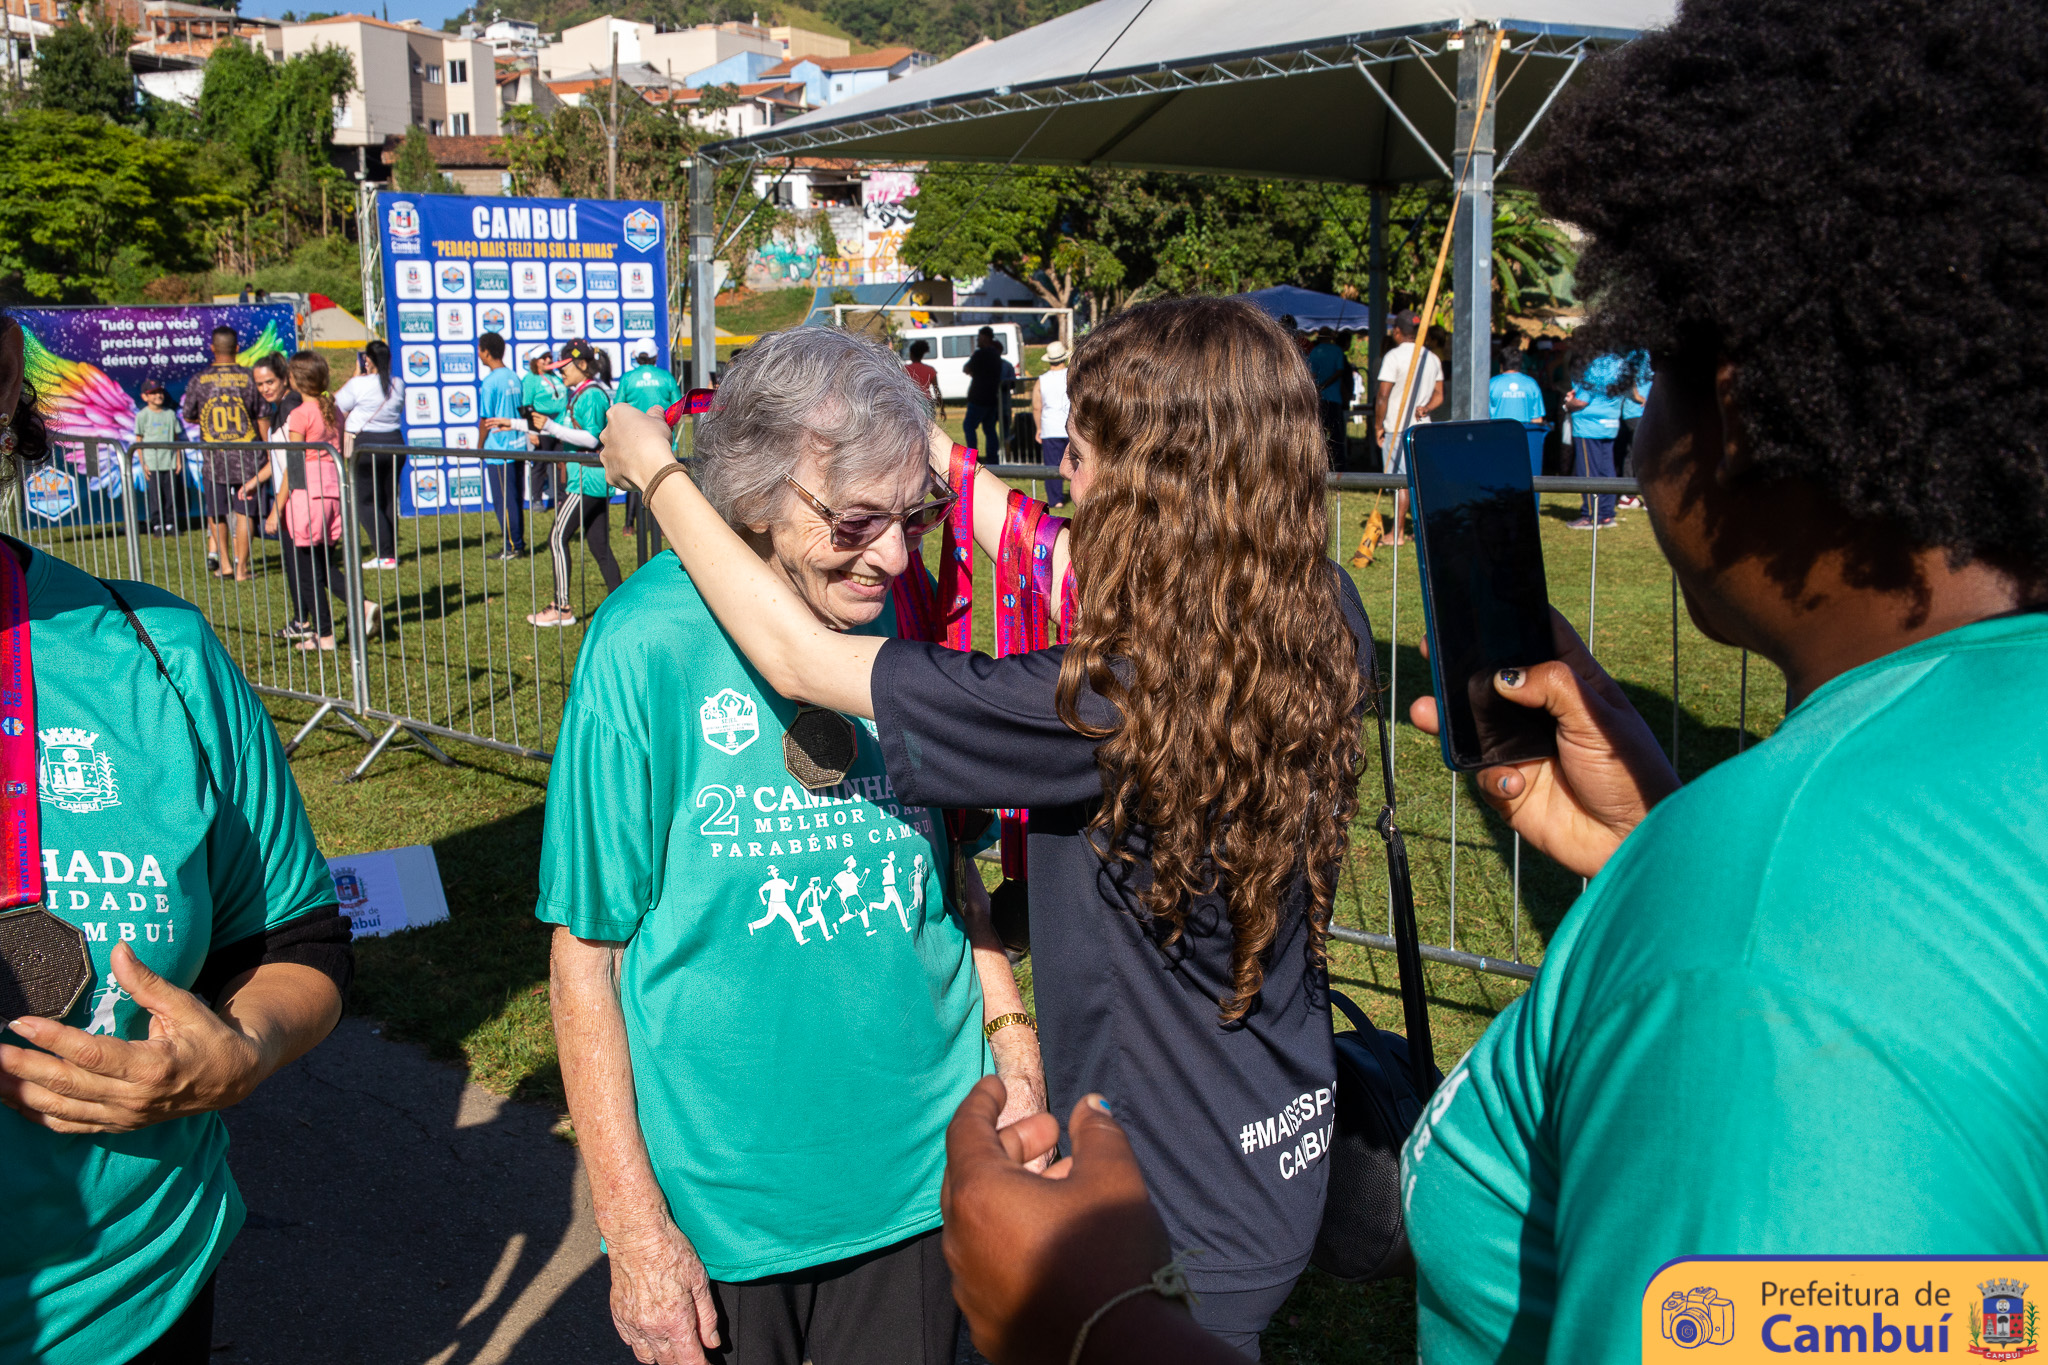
(1609, 770)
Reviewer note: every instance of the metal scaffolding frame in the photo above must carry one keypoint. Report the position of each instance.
(1374, 56)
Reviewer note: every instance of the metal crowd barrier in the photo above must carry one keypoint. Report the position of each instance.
(453, 655)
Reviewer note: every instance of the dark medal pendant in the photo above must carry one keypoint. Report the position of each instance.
(43, 965)
(819, 747)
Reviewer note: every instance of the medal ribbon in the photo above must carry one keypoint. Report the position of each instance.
(21, 859)
(1023, 620)
(942, 611)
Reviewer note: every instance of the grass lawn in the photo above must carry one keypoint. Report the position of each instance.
(475, 988)
(771, 310)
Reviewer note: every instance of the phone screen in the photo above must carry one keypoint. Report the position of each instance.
(1483, 593)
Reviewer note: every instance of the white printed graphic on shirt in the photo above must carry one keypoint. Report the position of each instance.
(1293, 1118)
(1425, 1129)
(731, 721)
(772, 894)
(812, 903)
(850, 899)
(889, 896)
(73, 775)
(104, 1000)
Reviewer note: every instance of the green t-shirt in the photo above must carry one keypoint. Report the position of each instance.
(543, 393)
(649, 388)
(800, 1002)
(177, 848)
(588, 410)
(1797, 1013)
(158, 424)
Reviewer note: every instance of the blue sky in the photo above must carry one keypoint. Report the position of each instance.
(429, 12)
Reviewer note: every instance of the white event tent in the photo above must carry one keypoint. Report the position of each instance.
(1369, 92)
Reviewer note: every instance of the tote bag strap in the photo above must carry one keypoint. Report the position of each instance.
(1407, 941)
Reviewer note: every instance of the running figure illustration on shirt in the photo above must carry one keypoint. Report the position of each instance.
(850, 899)
(889, 896)
(916, 889)
(774, 893)
(103, 1001)
(812, 904)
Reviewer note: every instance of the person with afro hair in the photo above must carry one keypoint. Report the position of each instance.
(1796, 1012)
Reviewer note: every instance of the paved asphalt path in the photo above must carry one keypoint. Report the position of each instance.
(401, 1216)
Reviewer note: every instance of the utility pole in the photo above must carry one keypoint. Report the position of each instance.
(611, 148)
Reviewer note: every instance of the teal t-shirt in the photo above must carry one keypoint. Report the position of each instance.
(587, 410)
(649, 388)
(800, 1002)
(177, 848)
(543, 393)
(1797, 1013)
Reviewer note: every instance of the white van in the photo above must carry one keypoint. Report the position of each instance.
(950, 347)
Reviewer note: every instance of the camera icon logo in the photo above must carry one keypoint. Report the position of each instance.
(1699, 1318)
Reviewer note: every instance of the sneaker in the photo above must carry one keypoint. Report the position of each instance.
(1631, 502)
(549, 618)
(512, 552)
(375, 563)
(1610, 523)
(296, 630)
(373, 620)
(1583, 524)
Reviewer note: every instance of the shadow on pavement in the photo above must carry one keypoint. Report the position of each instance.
(400, 1216)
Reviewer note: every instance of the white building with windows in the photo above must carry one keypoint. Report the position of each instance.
(407, 75)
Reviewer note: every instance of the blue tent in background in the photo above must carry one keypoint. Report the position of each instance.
(1311, 311)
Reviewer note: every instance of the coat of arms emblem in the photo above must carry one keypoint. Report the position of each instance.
(74, 775)
(2008, 1326)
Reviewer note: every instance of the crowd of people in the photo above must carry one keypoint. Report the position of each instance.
(1787, 1017)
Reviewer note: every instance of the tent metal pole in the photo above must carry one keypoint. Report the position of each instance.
(1471, 340)
(1376, 290)
(703, 275)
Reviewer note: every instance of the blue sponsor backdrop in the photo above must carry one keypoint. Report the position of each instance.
(538, 272)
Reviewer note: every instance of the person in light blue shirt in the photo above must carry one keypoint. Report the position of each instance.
(498, 423)
(1595, 406)
(1636, 375)
(1332, 375)
(1515, 397)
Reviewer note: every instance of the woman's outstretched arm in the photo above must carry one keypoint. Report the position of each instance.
(991, 501)
(798, 655)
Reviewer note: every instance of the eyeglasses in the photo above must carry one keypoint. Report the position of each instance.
(862, 527)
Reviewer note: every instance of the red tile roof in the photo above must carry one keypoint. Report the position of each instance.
(880, 60)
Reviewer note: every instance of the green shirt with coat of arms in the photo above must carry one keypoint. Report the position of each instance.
(1797, 1014)
(176, 845)
(800, 1002)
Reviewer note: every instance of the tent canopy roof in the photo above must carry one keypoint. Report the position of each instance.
(1310, 310)
(1274, 88)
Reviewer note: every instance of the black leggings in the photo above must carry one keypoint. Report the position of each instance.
(189, 1340)
(310, 572)
(587, 516)
(377, 493)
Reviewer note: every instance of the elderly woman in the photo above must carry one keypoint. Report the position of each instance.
(766, 998)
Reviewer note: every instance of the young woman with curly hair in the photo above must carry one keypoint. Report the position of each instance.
(1189, 760)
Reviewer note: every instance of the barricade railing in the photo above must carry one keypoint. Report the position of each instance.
(455, 650)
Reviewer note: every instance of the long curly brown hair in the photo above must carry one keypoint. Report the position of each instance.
(1209, 619)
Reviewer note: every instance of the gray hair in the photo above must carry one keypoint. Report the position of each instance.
(811, 388)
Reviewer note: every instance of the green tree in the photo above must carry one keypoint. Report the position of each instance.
(415, 171)
(1036, 224)
(82, 68)
(77, 192)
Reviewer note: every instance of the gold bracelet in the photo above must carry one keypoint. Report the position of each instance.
(647, 493)
(1003, 1021)
(1169, 1282)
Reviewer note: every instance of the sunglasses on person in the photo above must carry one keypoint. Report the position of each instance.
(863, 526)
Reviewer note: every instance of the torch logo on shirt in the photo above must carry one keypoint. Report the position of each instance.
(730, 721)
(74, 775)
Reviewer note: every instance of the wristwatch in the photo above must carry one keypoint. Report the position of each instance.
(1003, 1021)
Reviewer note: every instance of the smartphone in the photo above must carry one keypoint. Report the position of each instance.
(1484, 600)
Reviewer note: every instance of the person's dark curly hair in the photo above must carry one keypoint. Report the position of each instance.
(31, 436)
(1850, 202)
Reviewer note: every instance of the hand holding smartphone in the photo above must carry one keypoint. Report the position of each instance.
(1485, 602)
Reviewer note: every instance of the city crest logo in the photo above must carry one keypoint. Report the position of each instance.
(73, 774)
(404, 219)
(642, 230)
(730, 720)
(2008, 1325)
